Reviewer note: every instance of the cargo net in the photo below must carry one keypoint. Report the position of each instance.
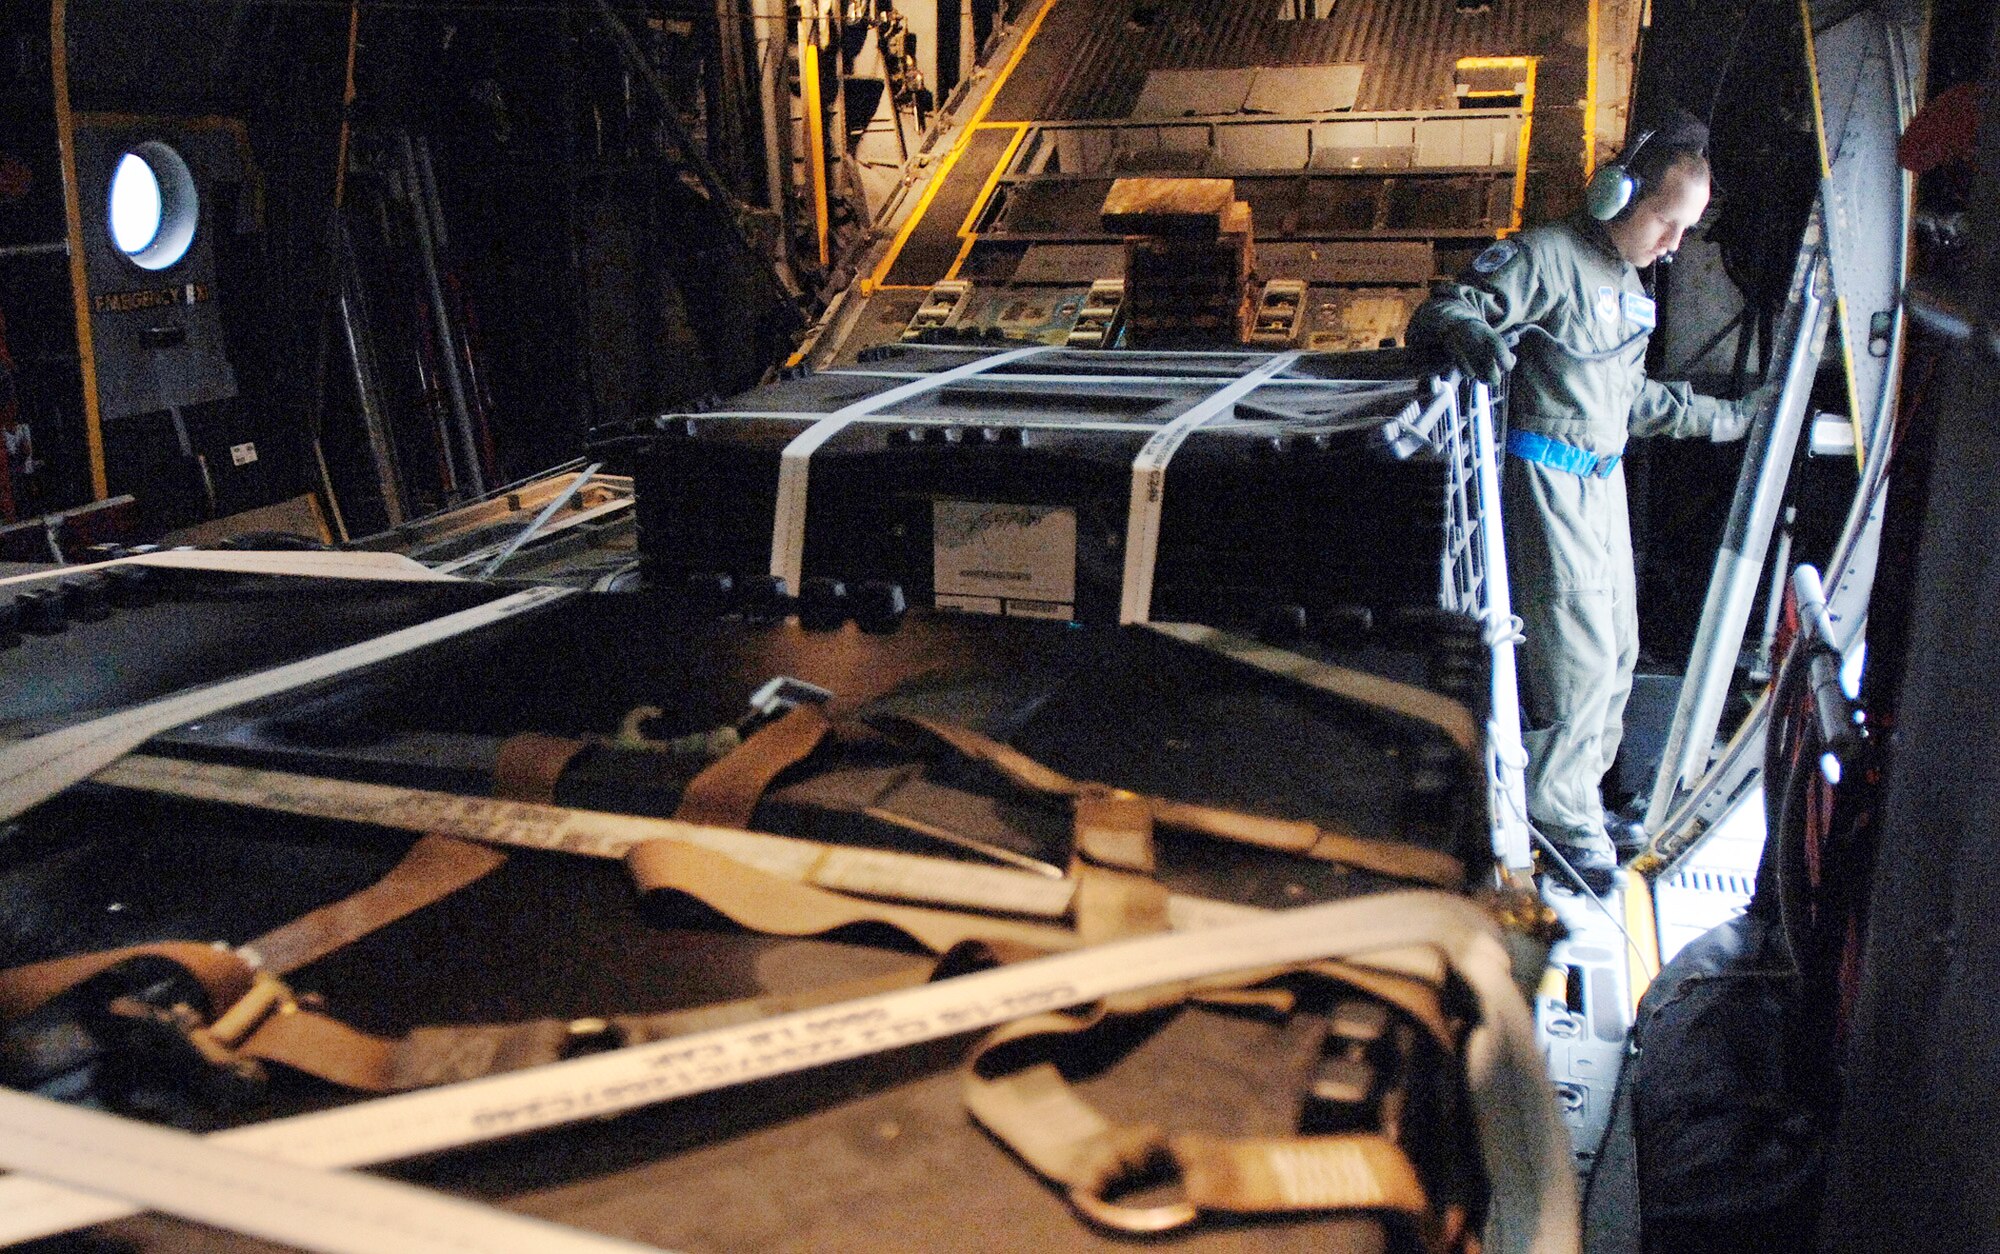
(1460, 423)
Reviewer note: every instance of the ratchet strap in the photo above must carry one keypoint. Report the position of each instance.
(1114, 827)
(1032, 1109)
(255, 1017)
(434, 868)
(251, 1015)
(319, 1045)
(1038, 1114)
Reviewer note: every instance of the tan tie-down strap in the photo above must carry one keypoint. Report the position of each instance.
(780, 907)
(1111, 905)
(530, 765)
(257, 1017)
(314, 1043)
(1041, 1117)
(434, 868)
(1388, 696)
(274, 1029)
(245, 996)
(1114, 827)
(224, 974)
(307, 1041)
(264, 1022)
(725, 794)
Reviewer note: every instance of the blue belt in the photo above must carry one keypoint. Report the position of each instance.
(1528, 446)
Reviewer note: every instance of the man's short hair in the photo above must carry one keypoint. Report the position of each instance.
(1681, 141)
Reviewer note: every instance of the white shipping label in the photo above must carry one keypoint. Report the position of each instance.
(971, 605)
(243, 454)
(1019, 552)
(1058, 611)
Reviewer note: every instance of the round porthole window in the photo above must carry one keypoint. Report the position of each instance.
(153, 206)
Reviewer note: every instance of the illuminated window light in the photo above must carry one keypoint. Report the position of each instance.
(135, 205)
(153, 206)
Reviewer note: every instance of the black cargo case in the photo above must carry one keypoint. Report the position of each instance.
(1310, 491)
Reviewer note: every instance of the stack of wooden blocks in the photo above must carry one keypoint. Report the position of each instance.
(1188, 260)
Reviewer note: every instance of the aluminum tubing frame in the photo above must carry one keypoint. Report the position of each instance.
(1753, 513)
(1506, 755)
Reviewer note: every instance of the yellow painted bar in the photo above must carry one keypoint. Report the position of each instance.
(965, 228)
(815, 125)
(79, 279)
(1521, 164)
(1854, 408)
(1590, 94)
(1644, 929)
(876, 281)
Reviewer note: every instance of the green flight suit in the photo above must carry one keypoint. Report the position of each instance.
(1569, 540)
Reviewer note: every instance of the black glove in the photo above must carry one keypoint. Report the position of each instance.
(1478, 350)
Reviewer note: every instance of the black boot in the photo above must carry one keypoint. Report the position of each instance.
(1591, 858)
(1628, 836)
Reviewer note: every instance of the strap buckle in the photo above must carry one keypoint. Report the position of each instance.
(156, 1053)
(220, 1040)
(779, 696)
(591, 1036)
(1151, 1161)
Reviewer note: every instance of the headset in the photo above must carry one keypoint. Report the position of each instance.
(1616, 184)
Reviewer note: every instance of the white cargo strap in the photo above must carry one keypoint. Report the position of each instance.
(310, 564)
(1524, 1145)
(33, 770)
(788, 521)
(1149, 479)
(1450, 717)
(879, 873)
(335, 1212)
(531, 825)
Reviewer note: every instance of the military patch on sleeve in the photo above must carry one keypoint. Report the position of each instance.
(1495, 255)
(1607, 303)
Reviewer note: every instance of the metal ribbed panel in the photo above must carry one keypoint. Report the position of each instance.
(1095, 54)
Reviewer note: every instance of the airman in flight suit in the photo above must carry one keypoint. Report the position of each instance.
(1571, 295)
